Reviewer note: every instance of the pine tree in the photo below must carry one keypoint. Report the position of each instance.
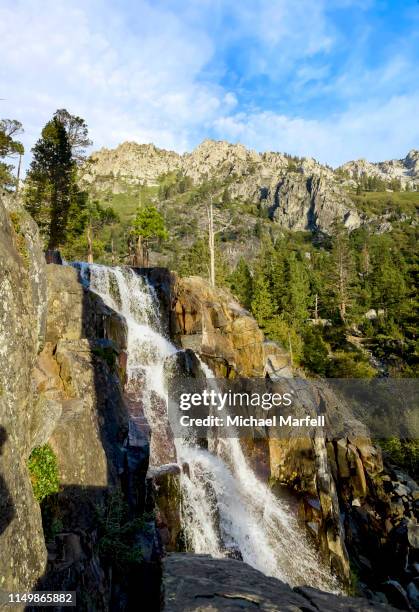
(148, 227)
(263, 307)
(296, 301)
(9, 149)
(277, 274)
(50, 180)
(52, 195)
(342, 272)
(241, 283)
(195, 262)
(77, 133)
(388, 284)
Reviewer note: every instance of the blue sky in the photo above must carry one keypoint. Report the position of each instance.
(332, 79)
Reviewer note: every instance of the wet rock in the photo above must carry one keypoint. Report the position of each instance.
(168, 501)
(199, 582)
(413, 534)
(412, 592)
(396, 595)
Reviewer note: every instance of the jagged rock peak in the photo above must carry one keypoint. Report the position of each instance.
(406, 169)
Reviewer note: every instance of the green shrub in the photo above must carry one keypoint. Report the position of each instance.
(20, 237)
(350, 365)
(43, 469)
(404, 453)
(117, 533)
(279, 330)
(315, 352)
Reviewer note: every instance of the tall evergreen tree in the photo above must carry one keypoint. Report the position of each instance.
(341, 282)
(148, 227)
(296, 301)
(77, 133)
(277, 273)
(52, 195)
(388, 284)
(263, 307)
(50, 181)
(241, 283)
(10, 148)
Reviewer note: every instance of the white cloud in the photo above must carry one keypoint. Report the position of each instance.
(151, 71)
(369, 129)
(143, 83)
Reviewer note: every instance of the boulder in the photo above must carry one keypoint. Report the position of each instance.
(199, 583)
(210, 322)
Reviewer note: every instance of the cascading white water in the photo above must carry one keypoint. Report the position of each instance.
(226, 507)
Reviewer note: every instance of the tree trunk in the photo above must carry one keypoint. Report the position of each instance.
(342, 290)
(112, 253)
(139, 253)
(18, 175)
(211, 244)
(290, 349)
(89, 245)
(316, 308)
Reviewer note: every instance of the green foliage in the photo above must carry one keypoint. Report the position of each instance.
(9, 148)
(350, 365)
(172, 184)
(379, 202)
(263, 307)
(43, 470)
(20, 237)
(279, 330)
(241, 283)
(297, 300)
(375, 183)
(117, 533)
(149, 224)
(77, 133)
(315, 351)
(404, 453)
(91, 217)
(52, 195)
(341, 282)
(196, 261)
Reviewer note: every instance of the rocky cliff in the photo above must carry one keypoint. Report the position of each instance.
(22, 334)
(406, 170)
(299, 194)
(62, 383)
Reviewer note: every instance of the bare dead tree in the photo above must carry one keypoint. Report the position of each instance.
(211, 238)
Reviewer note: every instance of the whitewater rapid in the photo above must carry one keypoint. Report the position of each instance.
(226, 509)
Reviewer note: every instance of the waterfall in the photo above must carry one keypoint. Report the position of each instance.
(227, 510)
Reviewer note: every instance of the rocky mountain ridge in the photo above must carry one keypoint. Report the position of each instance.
(146, 162)
(296, 193)
(406, 170)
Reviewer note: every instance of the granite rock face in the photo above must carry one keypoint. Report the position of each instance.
(201, 583)
(304, 193)
(300, 193)
(22, 329)
(211, 323)
(314, 203)
(406, 170)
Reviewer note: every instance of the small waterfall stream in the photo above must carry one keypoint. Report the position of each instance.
(227, 510)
